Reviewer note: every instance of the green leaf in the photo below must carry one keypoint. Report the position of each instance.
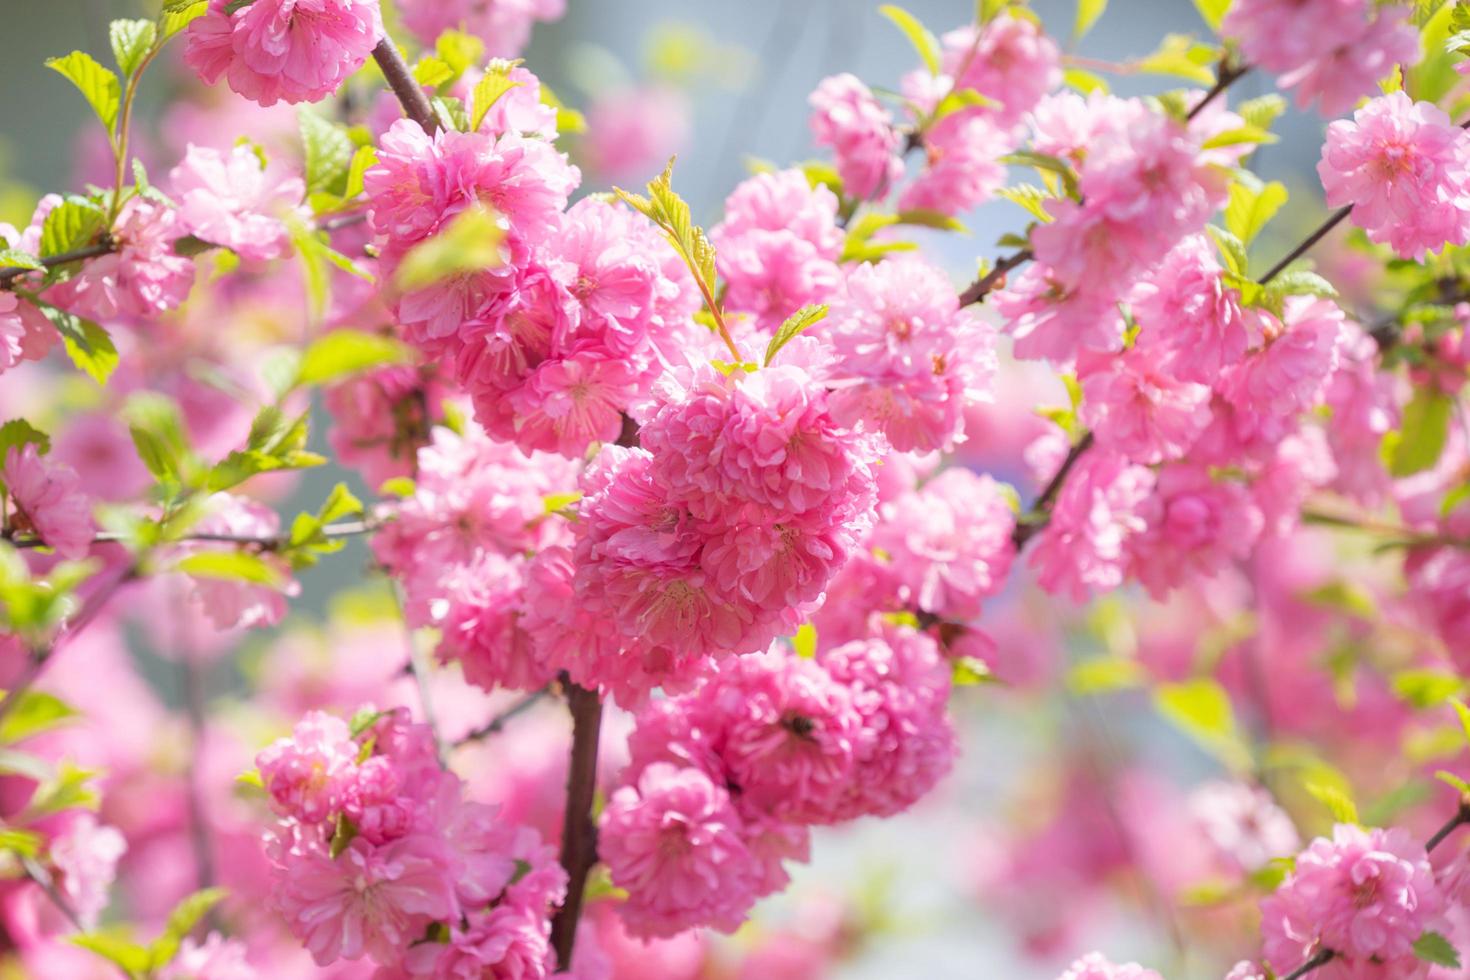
(19, 432)
(34, 712)
(1213, 11)
(26, 843)
(1030, 197)
(1241, 134)
(87, 344)
(1434, 948)
(14, 258)
(1270, 875)
(956, 100)
(328, 151)
(117, 949)
(1088, 11)
(1201, 709)
(1426, 688)
(804, 641)
(665, 208)
(182, 921)
(1232, 250)
(492, 85)
(179, 14)
(1250, 207)
(231, 566)
(340, 503)
(72, 224)
(469, 243)
(552, 503)
(365, 718)
(1417, 445)
(1097, 675)
(343, 835)
(98, 85)
(923, 39)
(68, 789)
(1182, 57)
(1337, 802)
(131, 42)
(795, 324)
(970, 671)
(1261, 111)
(1045, 164)
(158, 433)
(343, 353)
(1450, 779)
(1084, 81)
(1463, 713)
(1345, 597)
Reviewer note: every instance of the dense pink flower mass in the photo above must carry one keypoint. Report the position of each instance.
(48, 501)
(25, 333)
(273, 51)
(142, 279)
(848, 118)
(1365, 894)
(1098, 512)
(234, 201)
(1402, 165)
(1095, 966)
(87, 854)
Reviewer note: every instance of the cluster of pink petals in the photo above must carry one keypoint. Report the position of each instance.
(1367, 895)
(379, 421)
(217, 958)
(46, 499)
(1099, 510)
(778, 246)
(1334, 67)
(1402, 165)
(1135, 405)
(414, 854)
(1243, 823)
(232, 199)
(908, 360)
(724, 781)
(25, 333)
(962, 166)
(504, 25)
(273, 51)
(1195, 524)
(1009, 60)
(849, 119)
(1290, 373)
(459, 545)
(1190, 318)
(229, 603)
(86, 854)
(142, 279)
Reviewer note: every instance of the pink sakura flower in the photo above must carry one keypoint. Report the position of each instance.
(283, 50)
(1133, 404)
(505, 943)
(898, 683)
(1439, 581)
(1243, 823)
(307, 773)
(368, 900)
(233, 200)
(1053, 321)
(1291, 373)
(962, 166)
(1367, 895)
(25, 333)
(849, 119)
(46, 499)
(1195, 526)
(1099, 510)
(229, 603)
(85, 856)
(772, 274)
(1246, 970)
(674, 841)
(1189, 316)
(1281, 37)
(142, 279)
(217, 958)
(378, 420)
(782, 201)
(632, 131)
(566, 405)
(504, 25)
(787, 735)
(1010, 60)
(1360, 55)
(479, 615)
(1401, 165)
(1095, 966)
(909, 360)
(948, 544)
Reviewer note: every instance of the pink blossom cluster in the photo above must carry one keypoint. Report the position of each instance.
(25, 333)
(233, 199)
(1095, 966)
(1404, 168)
(229, 602)
(849, 119)
(583, 312)
(142, 279)
(271, 51)
(725, 780)
(382, 418)
(1367, 895)
(45, 498)
(379, 854)
(1331, 51)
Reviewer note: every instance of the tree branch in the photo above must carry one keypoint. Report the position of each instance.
(274, 542)
(497, 724)
(578, 833)
(1025, 530)
(104, 247)
(416, 105)
(1225, 76)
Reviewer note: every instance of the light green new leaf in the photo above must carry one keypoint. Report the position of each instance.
(492, 85)
(1426, 688)
(34, 712)
(1434, 948)
(328, 152)
(1201, 709)
(231, 566)
(1030, 197)
(1213, 11)
(14, 258)
(19, 432)
(1182, 57)
(71, 225)
(1241, 134)
(1337, 802)
(795, 324)
(181, 921)
(469, 243)
(1251, 207)
(179, 14)
(117, 949)
(131, 42)
(1088, 11)
(342, 353)
(923, 39)
(88, 345)
(98, 85)
(1417, 445)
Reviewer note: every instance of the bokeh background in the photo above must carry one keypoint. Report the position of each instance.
(734, 78)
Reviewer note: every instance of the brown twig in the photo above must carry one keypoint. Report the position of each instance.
(1225, 76)
(578, 834)
(497, 724)
(1026, 529)
(104, 247)
(274, 542)
(416, 105)
(981, 287)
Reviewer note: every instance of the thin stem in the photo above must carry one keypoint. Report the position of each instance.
(1461, 817)
(578, 833)
(11, 273)
(1227, 75)
(1025, 530)
(1322, 958)
(124, 128)
(346, 529)
(497, 724)
(199, 834)
(981, 287)
(1332, 222)
(416, 105)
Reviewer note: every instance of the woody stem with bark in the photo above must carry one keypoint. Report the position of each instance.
(578, 834)
(400, 78)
